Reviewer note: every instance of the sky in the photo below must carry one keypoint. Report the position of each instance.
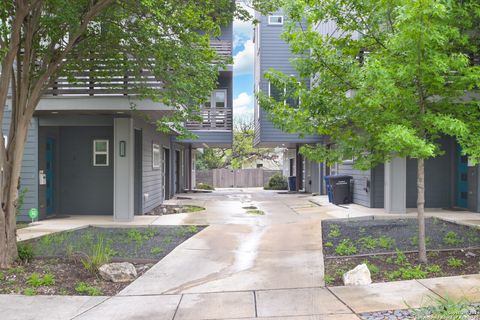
(243, 54)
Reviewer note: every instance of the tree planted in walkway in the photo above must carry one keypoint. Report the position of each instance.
(388, 79)
(41, 40)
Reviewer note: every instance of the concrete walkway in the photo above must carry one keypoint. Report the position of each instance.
(240, 267)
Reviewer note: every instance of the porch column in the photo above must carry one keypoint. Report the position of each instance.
(298, 168)
(190, 169)
(396, 186)
(123, 169)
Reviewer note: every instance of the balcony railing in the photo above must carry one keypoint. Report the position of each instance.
(97, 83)
(212, 119)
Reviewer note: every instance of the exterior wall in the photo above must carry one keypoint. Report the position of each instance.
(272, 52)
(152, 179)
(29, 171)
(361, 191)
(84, 188)
(438, 179)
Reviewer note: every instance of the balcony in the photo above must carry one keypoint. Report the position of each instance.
(105, 82)
(212, 119)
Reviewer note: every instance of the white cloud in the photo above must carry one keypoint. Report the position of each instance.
(243, 104)
(243, 60)
(242, 30)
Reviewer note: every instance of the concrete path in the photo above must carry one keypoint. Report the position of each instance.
(242, 266)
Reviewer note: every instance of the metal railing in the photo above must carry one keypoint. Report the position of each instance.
(212, 119)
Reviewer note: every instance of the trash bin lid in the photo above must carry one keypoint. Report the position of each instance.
(339, 176)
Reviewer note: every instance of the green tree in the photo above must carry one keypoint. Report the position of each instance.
(388, 80)
(41, 40)
(242, 152)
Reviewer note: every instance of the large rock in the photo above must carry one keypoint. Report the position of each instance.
(118, 272)
(358, 276)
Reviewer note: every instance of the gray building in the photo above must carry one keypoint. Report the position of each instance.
(271, 52)
(450, 181)
(89, 153)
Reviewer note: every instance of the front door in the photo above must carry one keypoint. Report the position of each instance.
(177, 171)
(461, 196)
(166, 173)
(50, 176)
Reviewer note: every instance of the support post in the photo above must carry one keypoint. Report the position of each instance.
(190, 172)
(123, 169)
(298, 168)
(396, 186)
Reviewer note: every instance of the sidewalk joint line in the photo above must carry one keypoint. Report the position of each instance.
(255, 302)
(339, 299)
(178, 306)
(96, 305)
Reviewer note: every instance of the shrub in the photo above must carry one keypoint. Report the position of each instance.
(455, 263)
(367, 242)
(35, 280)
(156, 250)
(29, 291)
(100, 255)
(204, 186)
(83, 287)
(452, 239)
(25, 252)
(334, 231)
(277, 182)
(386, 242)
(328, 279)
(346, 248)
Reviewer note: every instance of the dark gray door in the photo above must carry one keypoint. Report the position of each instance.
(137, 202)
(177, 171)
(166, 173)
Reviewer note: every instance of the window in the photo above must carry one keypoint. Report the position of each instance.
(100, 153)
(284, 94)
(218, 99)
(275, 20)
(156, 162)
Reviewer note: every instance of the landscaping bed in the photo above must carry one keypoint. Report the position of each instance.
(67, 263)
(388, 247)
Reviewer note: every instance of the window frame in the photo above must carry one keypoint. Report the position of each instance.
(106, 153)
(156, 148)
(270, 23)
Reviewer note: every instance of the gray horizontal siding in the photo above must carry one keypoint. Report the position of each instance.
(152, 179)
(361, 194)
(29, 171)
(214, 139)
(274, 54)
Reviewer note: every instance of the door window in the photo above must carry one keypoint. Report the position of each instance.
(100, 153)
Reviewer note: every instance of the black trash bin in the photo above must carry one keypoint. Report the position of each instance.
(341, 189)
(292, 183)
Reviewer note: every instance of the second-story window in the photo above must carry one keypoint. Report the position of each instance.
(220, 97)
(275, 20)
(218, 100)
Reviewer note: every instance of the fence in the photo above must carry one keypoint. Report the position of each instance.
(240, 178)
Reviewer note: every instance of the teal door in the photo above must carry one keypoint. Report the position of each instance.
(50, 176)
(461, 196)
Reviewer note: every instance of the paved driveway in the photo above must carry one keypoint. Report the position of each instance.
(240, 251)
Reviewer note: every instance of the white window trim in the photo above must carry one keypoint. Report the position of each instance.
(95, 153)
(284, 93)
(156, 147)
(213, 102)
(275, 23)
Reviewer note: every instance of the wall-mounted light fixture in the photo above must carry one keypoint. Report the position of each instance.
(123, 148)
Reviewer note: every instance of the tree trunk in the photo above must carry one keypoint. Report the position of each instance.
(9, 188)
(422, 250)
